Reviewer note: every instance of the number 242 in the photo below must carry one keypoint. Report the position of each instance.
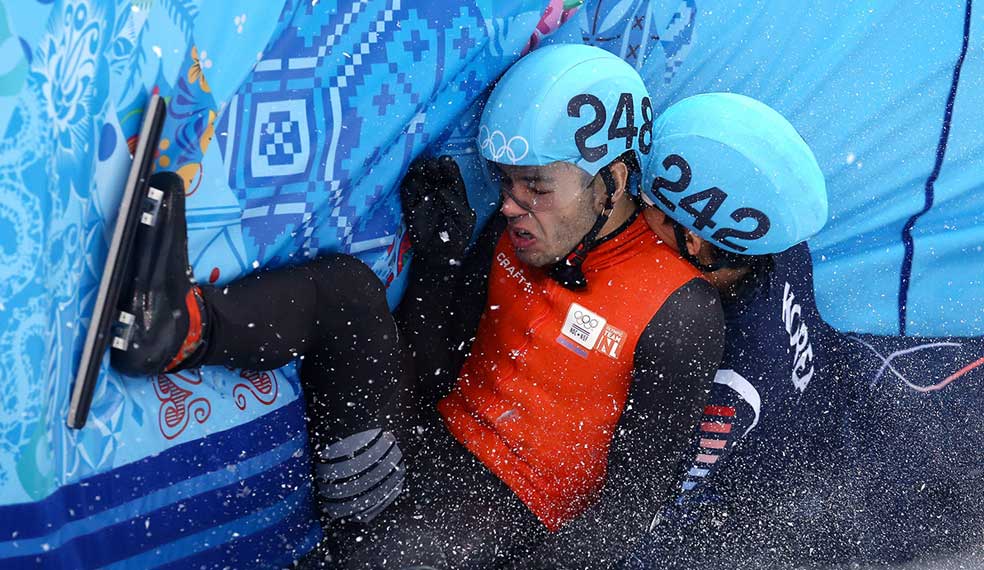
(712, 198)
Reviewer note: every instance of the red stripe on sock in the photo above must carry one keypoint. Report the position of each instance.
(725, 411)
(707, 443)
(715, 427)
(194, 336)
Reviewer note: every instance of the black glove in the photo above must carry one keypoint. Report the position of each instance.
(436, 211)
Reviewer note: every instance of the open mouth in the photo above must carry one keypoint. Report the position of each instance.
(521, 238)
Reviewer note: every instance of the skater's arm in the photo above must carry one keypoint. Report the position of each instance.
(447, 285)
(441, 308)
(675, 362)
(471, 290)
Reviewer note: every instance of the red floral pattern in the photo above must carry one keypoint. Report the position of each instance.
(179, 403)
(262, 385)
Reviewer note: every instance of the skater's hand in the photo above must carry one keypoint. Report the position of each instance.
(436, 211)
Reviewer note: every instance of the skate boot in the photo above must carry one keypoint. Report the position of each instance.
(160, 320)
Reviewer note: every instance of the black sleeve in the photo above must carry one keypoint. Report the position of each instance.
(675, 362)
(440, 311)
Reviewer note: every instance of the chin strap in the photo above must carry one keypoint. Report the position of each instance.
(567, 272)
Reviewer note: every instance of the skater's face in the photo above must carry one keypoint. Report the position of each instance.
(724, 280)
(549, 208)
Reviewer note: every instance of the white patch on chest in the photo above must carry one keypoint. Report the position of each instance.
(583, 326)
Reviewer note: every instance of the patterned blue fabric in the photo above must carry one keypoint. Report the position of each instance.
(873, 91)
(316, 109)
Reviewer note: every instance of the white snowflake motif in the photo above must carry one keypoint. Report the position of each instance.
(71, 79)
(239, 21)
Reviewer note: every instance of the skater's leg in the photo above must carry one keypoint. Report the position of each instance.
(357, 377)
(261, 322)
(331, 313)
(454, 514)
(333, 307)
(358, 386)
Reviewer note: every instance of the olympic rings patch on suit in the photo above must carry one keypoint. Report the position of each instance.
(585, 319)
(583, 326)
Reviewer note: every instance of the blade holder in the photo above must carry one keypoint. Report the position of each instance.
(122, 331)
(151, 206)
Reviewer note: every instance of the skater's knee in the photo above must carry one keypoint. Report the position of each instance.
(347, 283)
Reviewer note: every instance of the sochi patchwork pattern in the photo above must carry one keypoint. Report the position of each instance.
(290, 123)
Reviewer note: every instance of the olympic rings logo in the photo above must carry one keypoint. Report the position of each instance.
(585, 320)
(495, 143)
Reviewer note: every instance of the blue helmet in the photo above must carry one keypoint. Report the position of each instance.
(567, 103)
(735, 172)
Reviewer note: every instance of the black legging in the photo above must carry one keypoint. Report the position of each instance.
(332, 314)
(455, 514)
(358, 375)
